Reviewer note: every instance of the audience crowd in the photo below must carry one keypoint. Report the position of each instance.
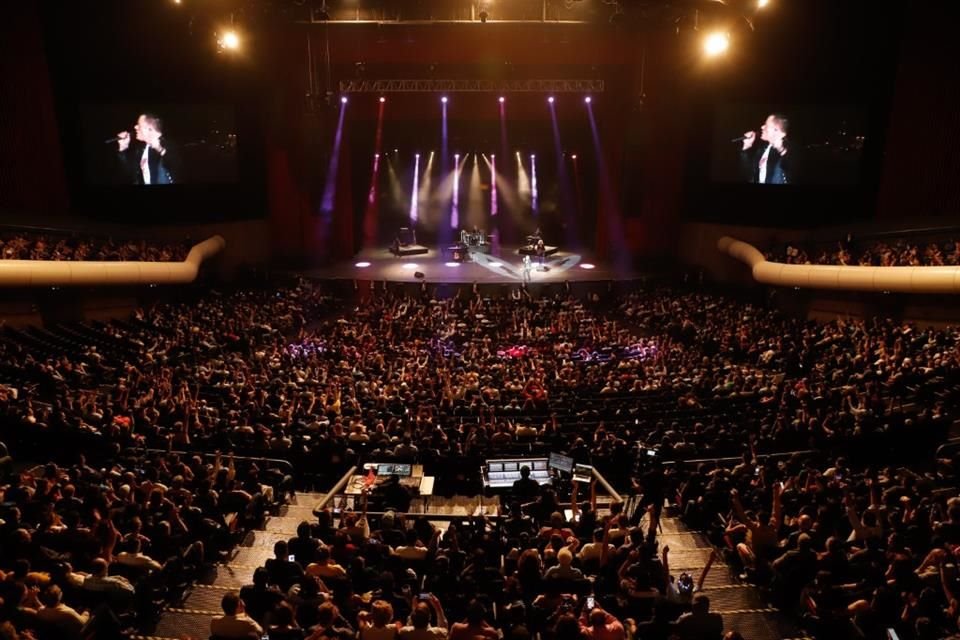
(840, 532)
(851, 252)
(33, 246)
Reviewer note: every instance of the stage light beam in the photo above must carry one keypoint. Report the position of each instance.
(493, 186)
(455, 208)
(762, 3)
(716, 43)
(415, 193)
(534, 195)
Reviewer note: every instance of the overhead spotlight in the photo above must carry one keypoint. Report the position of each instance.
(343, 99)
(573, 157)
(588, 99)
(716, 43)
(501, 99)
(229, 40)
(483, 16)
(493, 156)
(417, 156)
(382, 99)
(762, 3)
(376, 155)
(177, 1)
(550, 99)
(443, 99)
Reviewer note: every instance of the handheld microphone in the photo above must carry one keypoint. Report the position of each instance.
(740, 139)
(111, 140)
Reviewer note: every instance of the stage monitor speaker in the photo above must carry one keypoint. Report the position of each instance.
(405, 235)
(419, 275)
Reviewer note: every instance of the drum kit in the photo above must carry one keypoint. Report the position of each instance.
(473, 238)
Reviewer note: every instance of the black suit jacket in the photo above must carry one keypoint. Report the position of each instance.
(780, 168)
(164, 169)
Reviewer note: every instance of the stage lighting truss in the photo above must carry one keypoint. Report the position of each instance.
(471, 86)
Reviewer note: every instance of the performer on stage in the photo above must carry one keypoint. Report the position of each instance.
(525, 271)
(541, 252)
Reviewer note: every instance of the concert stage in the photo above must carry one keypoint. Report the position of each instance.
(507, 268)
(532, 251)
(411, 250)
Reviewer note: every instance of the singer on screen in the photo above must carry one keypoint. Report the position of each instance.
(149, 159)
(772, 162)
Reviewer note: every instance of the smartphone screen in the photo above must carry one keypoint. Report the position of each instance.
(291, 558)
(591, 603)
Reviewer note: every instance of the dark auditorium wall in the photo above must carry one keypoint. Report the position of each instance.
(922, 163)
(31, 166)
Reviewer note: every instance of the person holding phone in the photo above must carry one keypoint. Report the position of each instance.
(418, 626)
(597, 624)
(283, 570)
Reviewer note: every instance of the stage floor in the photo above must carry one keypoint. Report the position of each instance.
(506, 268)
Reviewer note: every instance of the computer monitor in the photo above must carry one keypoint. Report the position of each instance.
(561, 462)
(495, 466)
(389, 468)
(511, 466)
(538, 465)
(583, 473)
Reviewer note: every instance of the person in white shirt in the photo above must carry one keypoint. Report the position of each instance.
(234, 624)
(67, 622)
(136, 559)
(413, 549)
(99, 582)
(593, 550)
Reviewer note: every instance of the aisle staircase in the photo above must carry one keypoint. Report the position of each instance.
(192, 617)
(742, 606)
